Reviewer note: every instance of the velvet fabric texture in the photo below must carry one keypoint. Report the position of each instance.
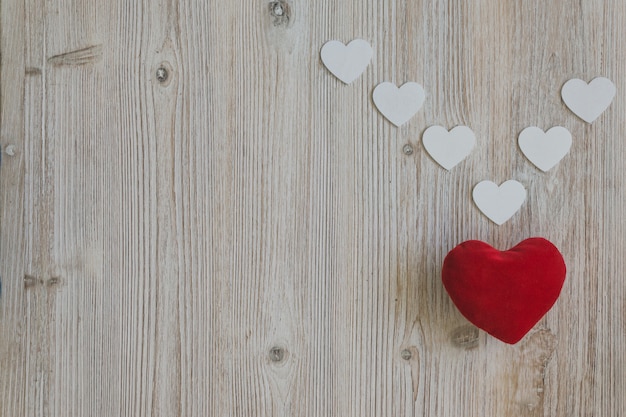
(505, 293)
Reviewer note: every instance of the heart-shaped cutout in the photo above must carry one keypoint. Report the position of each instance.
(398, 104)
(545, 149)
(499, 203)
(588, 101)
(505, 293)
(448, 148)
(347, 62)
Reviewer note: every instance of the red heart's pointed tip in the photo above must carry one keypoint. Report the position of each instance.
(505, 293)
(511, 340)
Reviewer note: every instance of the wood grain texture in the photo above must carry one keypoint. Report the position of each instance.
(249, 237)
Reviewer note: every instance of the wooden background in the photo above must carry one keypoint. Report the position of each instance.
(250, 237)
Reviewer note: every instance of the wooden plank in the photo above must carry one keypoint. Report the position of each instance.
(198, 219)
(13, 306)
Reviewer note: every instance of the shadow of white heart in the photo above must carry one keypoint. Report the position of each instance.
(448, 148)
(499, 203)
(588, 101)
(545, 149)
(398, 104)
(347, 62)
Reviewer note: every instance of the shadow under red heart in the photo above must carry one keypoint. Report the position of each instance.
(505, 293)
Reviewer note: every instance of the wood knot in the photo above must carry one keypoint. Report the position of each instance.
(32, 71)
(535, 353)
(53, 281)
(406, 354)
(280, 11)
(277, 354)
(465, 337)
(164, 73)
(31, 281)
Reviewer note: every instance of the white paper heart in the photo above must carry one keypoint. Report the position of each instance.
(499, 203)
(588, 101)
(347, 62)
(545, 149)
(398, 105)
(448, 148)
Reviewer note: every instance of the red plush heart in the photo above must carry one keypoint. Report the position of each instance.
(505, 293)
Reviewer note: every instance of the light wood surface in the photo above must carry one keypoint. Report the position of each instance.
(250, 237)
